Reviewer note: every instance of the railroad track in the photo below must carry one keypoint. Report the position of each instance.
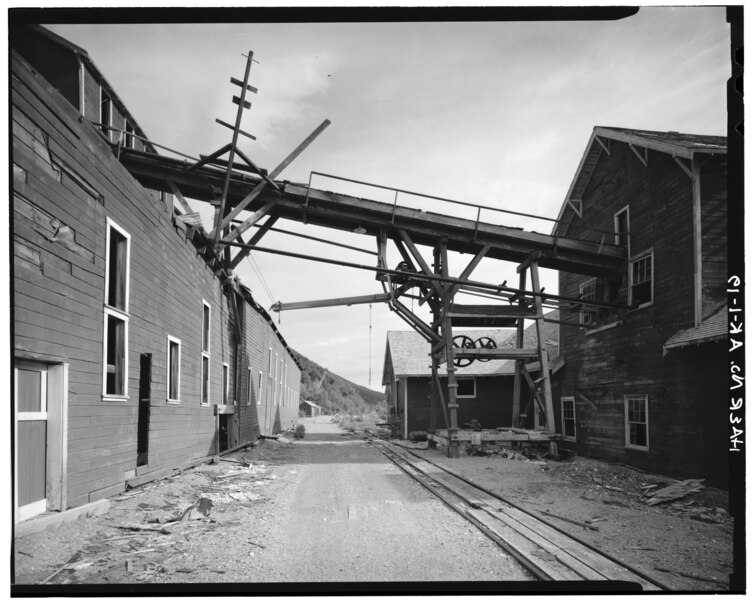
(546, 551)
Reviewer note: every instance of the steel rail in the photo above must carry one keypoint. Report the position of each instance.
(520, 556)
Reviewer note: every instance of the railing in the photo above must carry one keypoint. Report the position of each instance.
(478, 208)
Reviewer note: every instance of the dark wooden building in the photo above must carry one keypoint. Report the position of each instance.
(132, 354)
(648, 385)
(485, 388)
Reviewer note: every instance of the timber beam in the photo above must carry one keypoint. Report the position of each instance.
(339, 211)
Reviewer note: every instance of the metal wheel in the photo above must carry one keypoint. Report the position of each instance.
(485, 342)
(463, 341)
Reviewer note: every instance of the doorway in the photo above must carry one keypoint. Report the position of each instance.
(144, 411)
(40, 408)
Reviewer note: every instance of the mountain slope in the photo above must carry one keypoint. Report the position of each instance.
(335, 394)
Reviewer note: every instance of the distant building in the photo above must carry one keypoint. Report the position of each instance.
(310, 409)
(648, 386)
(485, 389)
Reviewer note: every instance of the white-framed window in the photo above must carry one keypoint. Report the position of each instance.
(249, 392)
(116, 286)
(568, 421)
(270, 360)
(641, 280)
(260, 386)
(276, 378)
(205, 355)
(621, 228)
(173, 369)
(636, 421)
(466, 387)
(225, 383)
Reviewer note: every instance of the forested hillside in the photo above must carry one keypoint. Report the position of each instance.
(335, 394)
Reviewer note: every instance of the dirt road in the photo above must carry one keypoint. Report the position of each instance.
(350, 515)
(327, 508)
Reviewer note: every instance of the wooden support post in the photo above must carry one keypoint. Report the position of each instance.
(453, 450)
(543, 353)
(517, 394)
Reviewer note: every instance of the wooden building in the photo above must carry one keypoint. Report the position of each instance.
(310, 409)
(485, 389)
(133, 354)
(648, 385)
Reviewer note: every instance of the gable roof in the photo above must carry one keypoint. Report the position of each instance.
(714, 328)
(407, 353)
(682, 145)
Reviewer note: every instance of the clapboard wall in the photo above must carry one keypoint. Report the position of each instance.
(684, 387)
(66, 181)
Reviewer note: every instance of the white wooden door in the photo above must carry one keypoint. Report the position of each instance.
(31, 438)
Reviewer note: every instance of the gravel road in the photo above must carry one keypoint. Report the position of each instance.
(329, 508)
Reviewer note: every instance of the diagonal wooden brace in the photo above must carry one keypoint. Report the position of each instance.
(250, 221)
(421, 261)
(253, 241)
(260, 187)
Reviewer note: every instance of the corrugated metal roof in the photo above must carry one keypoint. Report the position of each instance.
(714, 328)
(407, 353)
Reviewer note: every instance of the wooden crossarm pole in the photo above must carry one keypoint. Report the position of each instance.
(241, 103)
(253, 241)
(179, 195)
(250, 221)
(262, 184)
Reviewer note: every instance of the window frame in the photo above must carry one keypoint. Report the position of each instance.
(475, 388)
(585, 312)
(260, 386)
(105, 126)
(647, 254)
(564, 436)
(249, 391)
(117, 312)
(173, 340)
(627, 422)
(205, 387)
(626, 233)
(110, 225)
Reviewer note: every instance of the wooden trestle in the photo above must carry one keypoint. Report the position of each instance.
(249, 188)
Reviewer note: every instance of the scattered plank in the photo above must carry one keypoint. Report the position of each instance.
(689, 575)
(585, 525)
(677, 490)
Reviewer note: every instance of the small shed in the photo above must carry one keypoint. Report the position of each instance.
(310, 409)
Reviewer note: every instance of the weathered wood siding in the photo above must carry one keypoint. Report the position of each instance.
(491, 407)
(714, 201)
(684, 388)
(66, 179)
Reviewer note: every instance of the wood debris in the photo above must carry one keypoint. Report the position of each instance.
(677, 490)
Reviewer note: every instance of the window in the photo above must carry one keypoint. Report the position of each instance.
(116, 355)
(641, 280)
(116, 281)
(173, 369)
(588, 314)
(621, 228)
(260, 386)
(636, 421)
(225, 383)
(206, 328)
(205, 356)
(129, 141)
(118, 258)
(568, 426)
(466, 388)
(249, 393)
(105, 112)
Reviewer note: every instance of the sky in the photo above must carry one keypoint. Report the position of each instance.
(492, 113)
